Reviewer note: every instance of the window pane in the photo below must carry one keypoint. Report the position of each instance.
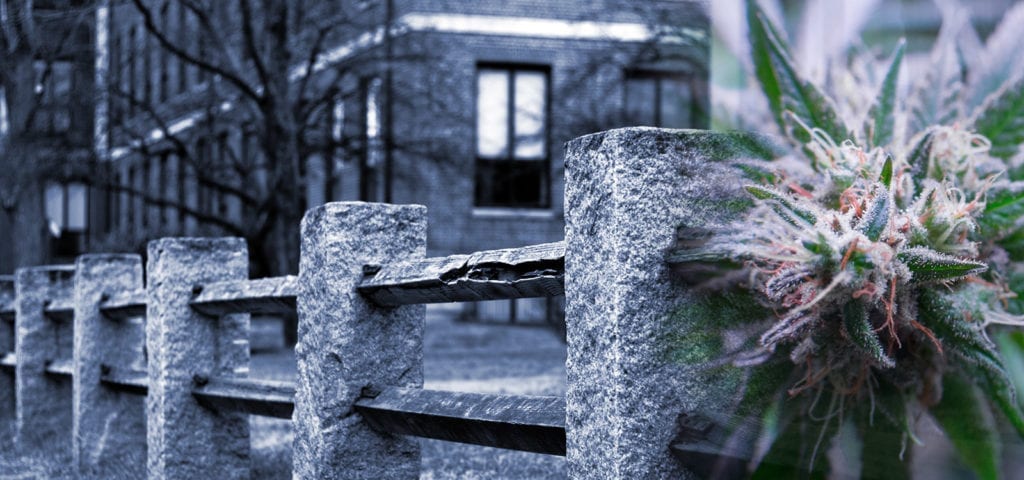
(78, 197)
(676, 104)
(531, 109)
(337, 120)
(640, 107)
(55, 204)
(61, 81)
(373, 109)
(492, 113)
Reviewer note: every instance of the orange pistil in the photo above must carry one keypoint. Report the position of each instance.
(799, 190)
(849, 253)
(929, 333)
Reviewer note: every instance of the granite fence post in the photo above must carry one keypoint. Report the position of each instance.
(7, 401)
(185, 439)
(109, 431)
(346, 344)
(628, 194)
(43, 400)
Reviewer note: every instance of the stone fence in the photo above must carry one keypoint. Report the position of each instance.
(118, 368)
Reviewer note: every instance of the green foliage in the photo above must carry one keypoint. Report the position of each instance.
(787, 91)
(882, 121)
(879, 271)
(966, 418)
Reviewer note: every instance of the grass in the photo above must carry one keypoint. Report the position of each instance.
(488, 358)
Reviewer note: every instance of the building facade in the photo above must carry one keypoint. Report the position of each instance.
(461, 106)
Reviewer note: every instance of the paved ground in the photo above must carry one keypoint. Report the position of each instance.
(489, 358)
(469, 357)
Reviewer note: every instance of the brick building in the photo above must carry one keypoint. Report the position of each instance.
(469, 119)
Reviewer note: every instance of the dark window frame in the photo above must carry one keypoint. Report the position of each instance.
(72, 242)
(483, 164)
(659, 76)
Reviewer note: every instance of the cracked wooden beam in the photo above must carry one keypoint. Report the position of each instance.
(514, 422)
(126, 381)
(255, 397)
(274, 295)
(62, 368)
(9, 360)
(125, 305)
(60, 309)
(532, 271)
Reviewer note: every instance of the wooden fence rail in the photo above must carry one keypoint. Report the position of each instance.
(119, 368)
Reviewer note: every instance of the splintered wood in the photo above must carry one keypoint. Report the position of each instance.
(533, 271)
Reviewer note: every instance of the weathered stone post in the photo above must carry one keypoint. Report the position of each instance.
(6, 353)
(627, 194)
(185, 439)
(346, 344)
(43, 400)
(109, 432)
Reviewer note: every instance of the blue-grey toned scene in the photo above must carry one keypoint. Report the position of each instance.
(519, 239)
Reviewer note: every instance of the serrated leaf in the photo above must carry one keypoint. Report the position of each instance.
(936, 98)
(967, 344)
(1001, 119)
(785, 88)
(1002, 57)
(927, 265)
(876, 216)
(885, 178)
(881, 118)
(968, 423)
(1003, 209)
(858, 328)
(918, 156)
(784, 205)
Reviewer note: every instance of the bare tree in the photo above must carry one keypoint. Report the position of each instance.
(37, 47)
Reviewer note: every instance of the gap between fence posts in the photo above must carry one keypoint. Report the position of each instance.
(43, 400)
(347, 344)
(186, 348)
(627, 193)
(7, 401)
(109, 427)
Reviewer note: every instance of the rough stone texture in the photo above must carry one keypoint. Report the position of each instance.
(187, 440)
(109, 431)
(346, 343)
(6, 346)
(627, 192)
(43, 401)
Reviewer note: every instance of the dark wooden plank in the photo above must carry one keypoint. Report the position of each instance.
(60, 309)
(274, 295)
(126, 381)
(125, 305)
(533, 271)
(61, 367)
(8, 360)
(532, 424)
(256, 397)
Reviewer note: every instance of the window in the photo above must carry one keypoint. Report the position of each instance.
(53, 92)
(116, 73)
(512, 160)
(162, 91)
(66, 207)
(659, 99)
(132, 71)
(182, 32)
(373, 171)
